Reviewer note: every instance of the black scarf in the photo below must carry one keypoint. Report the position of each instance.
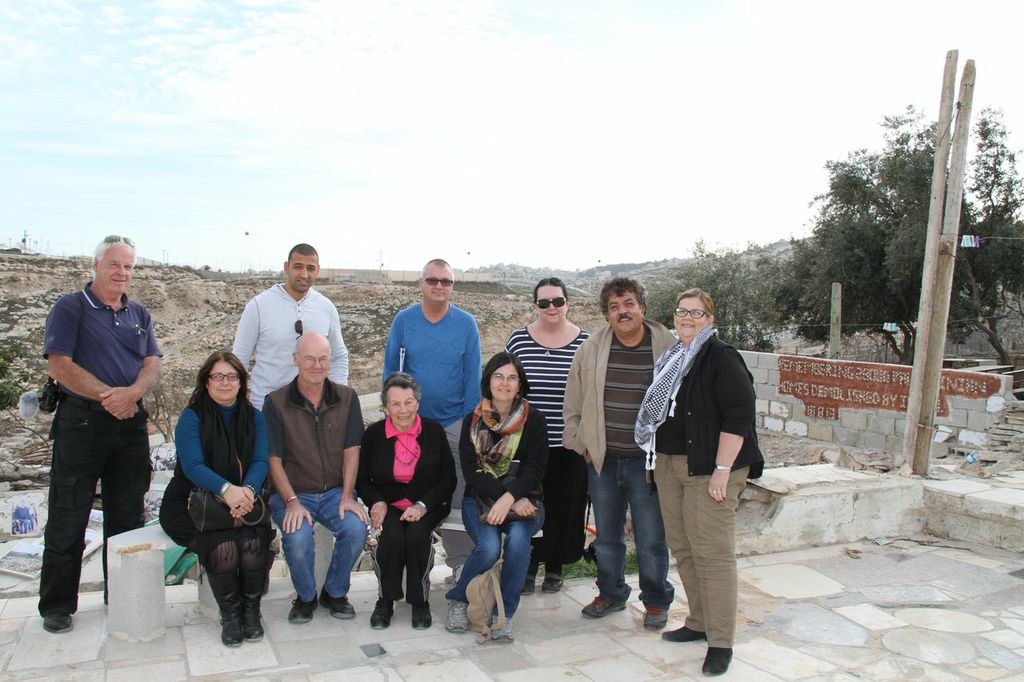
(222, 445)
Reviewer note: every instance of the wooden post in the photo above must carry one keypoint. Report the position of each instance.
(944, 275)
(913, 430)
(835, 327)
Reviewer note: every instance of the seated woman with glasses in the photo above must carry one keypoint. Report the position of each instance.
(222, 447)
(406, 477)
(503, 452)
(546, 348)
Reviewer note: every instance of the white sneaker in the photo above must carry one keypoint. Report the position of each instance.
(504, 633)
(458, 620)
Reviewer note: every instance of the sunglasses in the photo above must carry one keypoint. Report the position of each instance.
(298, 327)
(116, 239)
(434, 281)
(558, 302)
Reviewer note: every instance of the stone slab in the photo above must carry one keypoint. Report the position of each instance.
(943, 620)
(207, 656)
(928, 646)
(809, 622)
(870, 617)
(81, 645)
(779, 660)
(790, 581)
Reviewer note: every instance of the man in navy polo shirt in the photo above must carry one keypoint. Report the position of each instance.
(100, 347)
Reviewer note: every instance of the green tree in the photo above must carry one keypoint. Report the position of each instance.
(741, 283)
(990, 279)
(870, 231)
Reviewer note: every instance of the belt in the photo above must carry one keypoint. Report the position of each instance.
(84, 403)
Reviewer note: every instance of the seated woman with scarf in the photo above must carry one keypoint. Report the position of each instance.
(504, 453)
(696, 422)
(406, 477)
(222, 448)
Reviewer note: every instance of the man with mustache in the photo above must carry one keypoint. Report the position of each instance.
(607, 382)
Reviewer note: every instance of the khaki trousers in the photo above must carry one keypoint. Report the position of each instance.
(701, 535)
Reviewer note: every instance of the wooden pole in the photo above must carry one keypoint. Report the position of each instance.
(913, 430)
(946, 263)
(835, 327)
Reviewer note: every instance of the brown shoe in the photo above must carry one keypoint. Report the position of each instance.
(601, 607)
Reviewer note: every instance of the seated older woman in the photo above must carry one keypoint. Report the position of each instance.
(406, 477)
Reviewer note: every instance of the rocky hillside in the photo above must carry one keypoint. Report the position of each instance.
(196, 315)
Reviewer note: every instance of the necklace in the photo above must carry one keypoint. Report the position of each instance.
(411, 456)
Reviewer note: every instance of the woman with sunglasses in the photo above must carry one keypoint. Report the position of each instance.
(697, 422)
(222, 447)
(546, 348)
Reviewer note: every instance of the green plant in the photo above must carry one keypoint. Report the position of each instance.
(12, 382)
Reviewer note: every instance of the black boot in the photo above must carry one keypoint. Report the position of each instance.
(252, 629)
(225, 590)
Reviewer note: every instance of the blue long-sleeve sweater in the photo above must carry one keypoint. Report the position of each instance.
(190, 451)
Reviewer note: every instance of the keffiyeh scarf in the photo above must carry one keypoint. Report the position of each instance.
(660, 400)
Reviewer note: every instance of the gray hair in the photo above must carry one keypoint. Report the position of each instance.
(399, 380)
(439, 262)
(113, 240)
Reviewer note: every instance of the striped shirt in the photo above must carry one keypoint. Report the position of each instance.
(630, 372)
(547, 370)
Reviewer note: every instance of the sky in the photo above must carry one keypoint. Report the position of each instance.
(562, 134)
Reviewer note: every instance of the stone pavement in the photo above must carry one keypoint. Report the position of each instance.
(921, 609)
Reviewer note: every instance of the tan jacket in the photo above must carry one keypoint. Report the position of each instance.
(584, 390)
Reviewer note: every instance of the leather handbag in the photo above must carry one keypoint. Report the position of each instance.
(209, 512)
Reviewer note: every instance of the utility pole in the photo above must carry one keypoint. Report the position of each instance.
(835, 327)
(939, 259)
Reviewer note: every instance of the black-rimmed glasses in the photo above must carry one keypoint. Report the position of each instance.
(434, 281)
(696, 313)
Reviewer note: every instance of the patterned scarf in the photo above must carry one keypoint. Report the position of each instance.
(407, 445)
(495, 457)
(660, 400)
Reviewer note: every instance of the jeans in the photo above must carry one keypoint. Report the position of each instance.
(89, 445)
(623, 481)
(487, 548)
(300, 547)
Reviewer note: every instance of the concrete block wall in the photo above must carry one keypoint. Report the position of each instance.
(872, 428)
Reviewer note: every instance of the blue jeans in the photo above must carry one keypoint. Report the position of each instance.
(622, 481)
(487, 548)
(300, 549)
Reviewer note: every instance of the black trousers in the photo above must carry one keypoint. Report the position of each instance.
(89, 445)
(404, 546)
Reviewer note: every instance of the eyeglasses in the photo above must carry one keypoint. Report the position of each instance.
(696, 313)
(298, 327)
(558, 302)
(502, 379)
(434, 281)
(310, 360)
(115, 239)
(230, 377)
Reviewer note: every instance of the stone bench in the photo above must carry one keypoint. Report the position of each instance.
(135, 581)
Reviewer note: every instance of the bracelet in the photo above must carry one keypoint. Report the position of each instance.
(250, 487)
(419, 503)
(289, 500)
(723, 468)
(224, 488)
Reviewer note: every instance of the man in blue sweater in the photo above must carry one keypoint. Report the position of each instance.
(439, 344)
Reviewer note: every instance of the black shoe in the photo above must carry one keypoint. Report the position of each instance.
(58, 623)
(552, 583)
(252, 629)
(338, 606)
(302, 611)
(683, 634)
(382, 612)
(717, 660)
(421, 619)
(230, 629)
(529, 585)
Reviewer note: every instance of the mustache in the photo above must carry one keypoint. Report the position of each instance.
(625, 316)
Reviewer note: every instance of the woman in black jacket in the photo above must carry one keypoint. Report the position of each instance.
(406, 477)
(696, 424)
(504, 453)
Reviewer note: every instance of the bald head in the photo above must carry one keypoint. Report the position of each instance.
(313, 358)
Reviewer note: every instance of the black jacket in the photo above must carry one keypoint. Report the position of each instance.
(433, 481)
(718, 395)
(532, 456)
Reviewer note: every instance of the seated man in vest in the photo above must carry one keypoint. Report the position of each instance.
(314, 426)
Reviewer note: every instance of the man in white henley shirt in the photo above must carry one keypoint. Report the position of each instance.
(273, 320)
